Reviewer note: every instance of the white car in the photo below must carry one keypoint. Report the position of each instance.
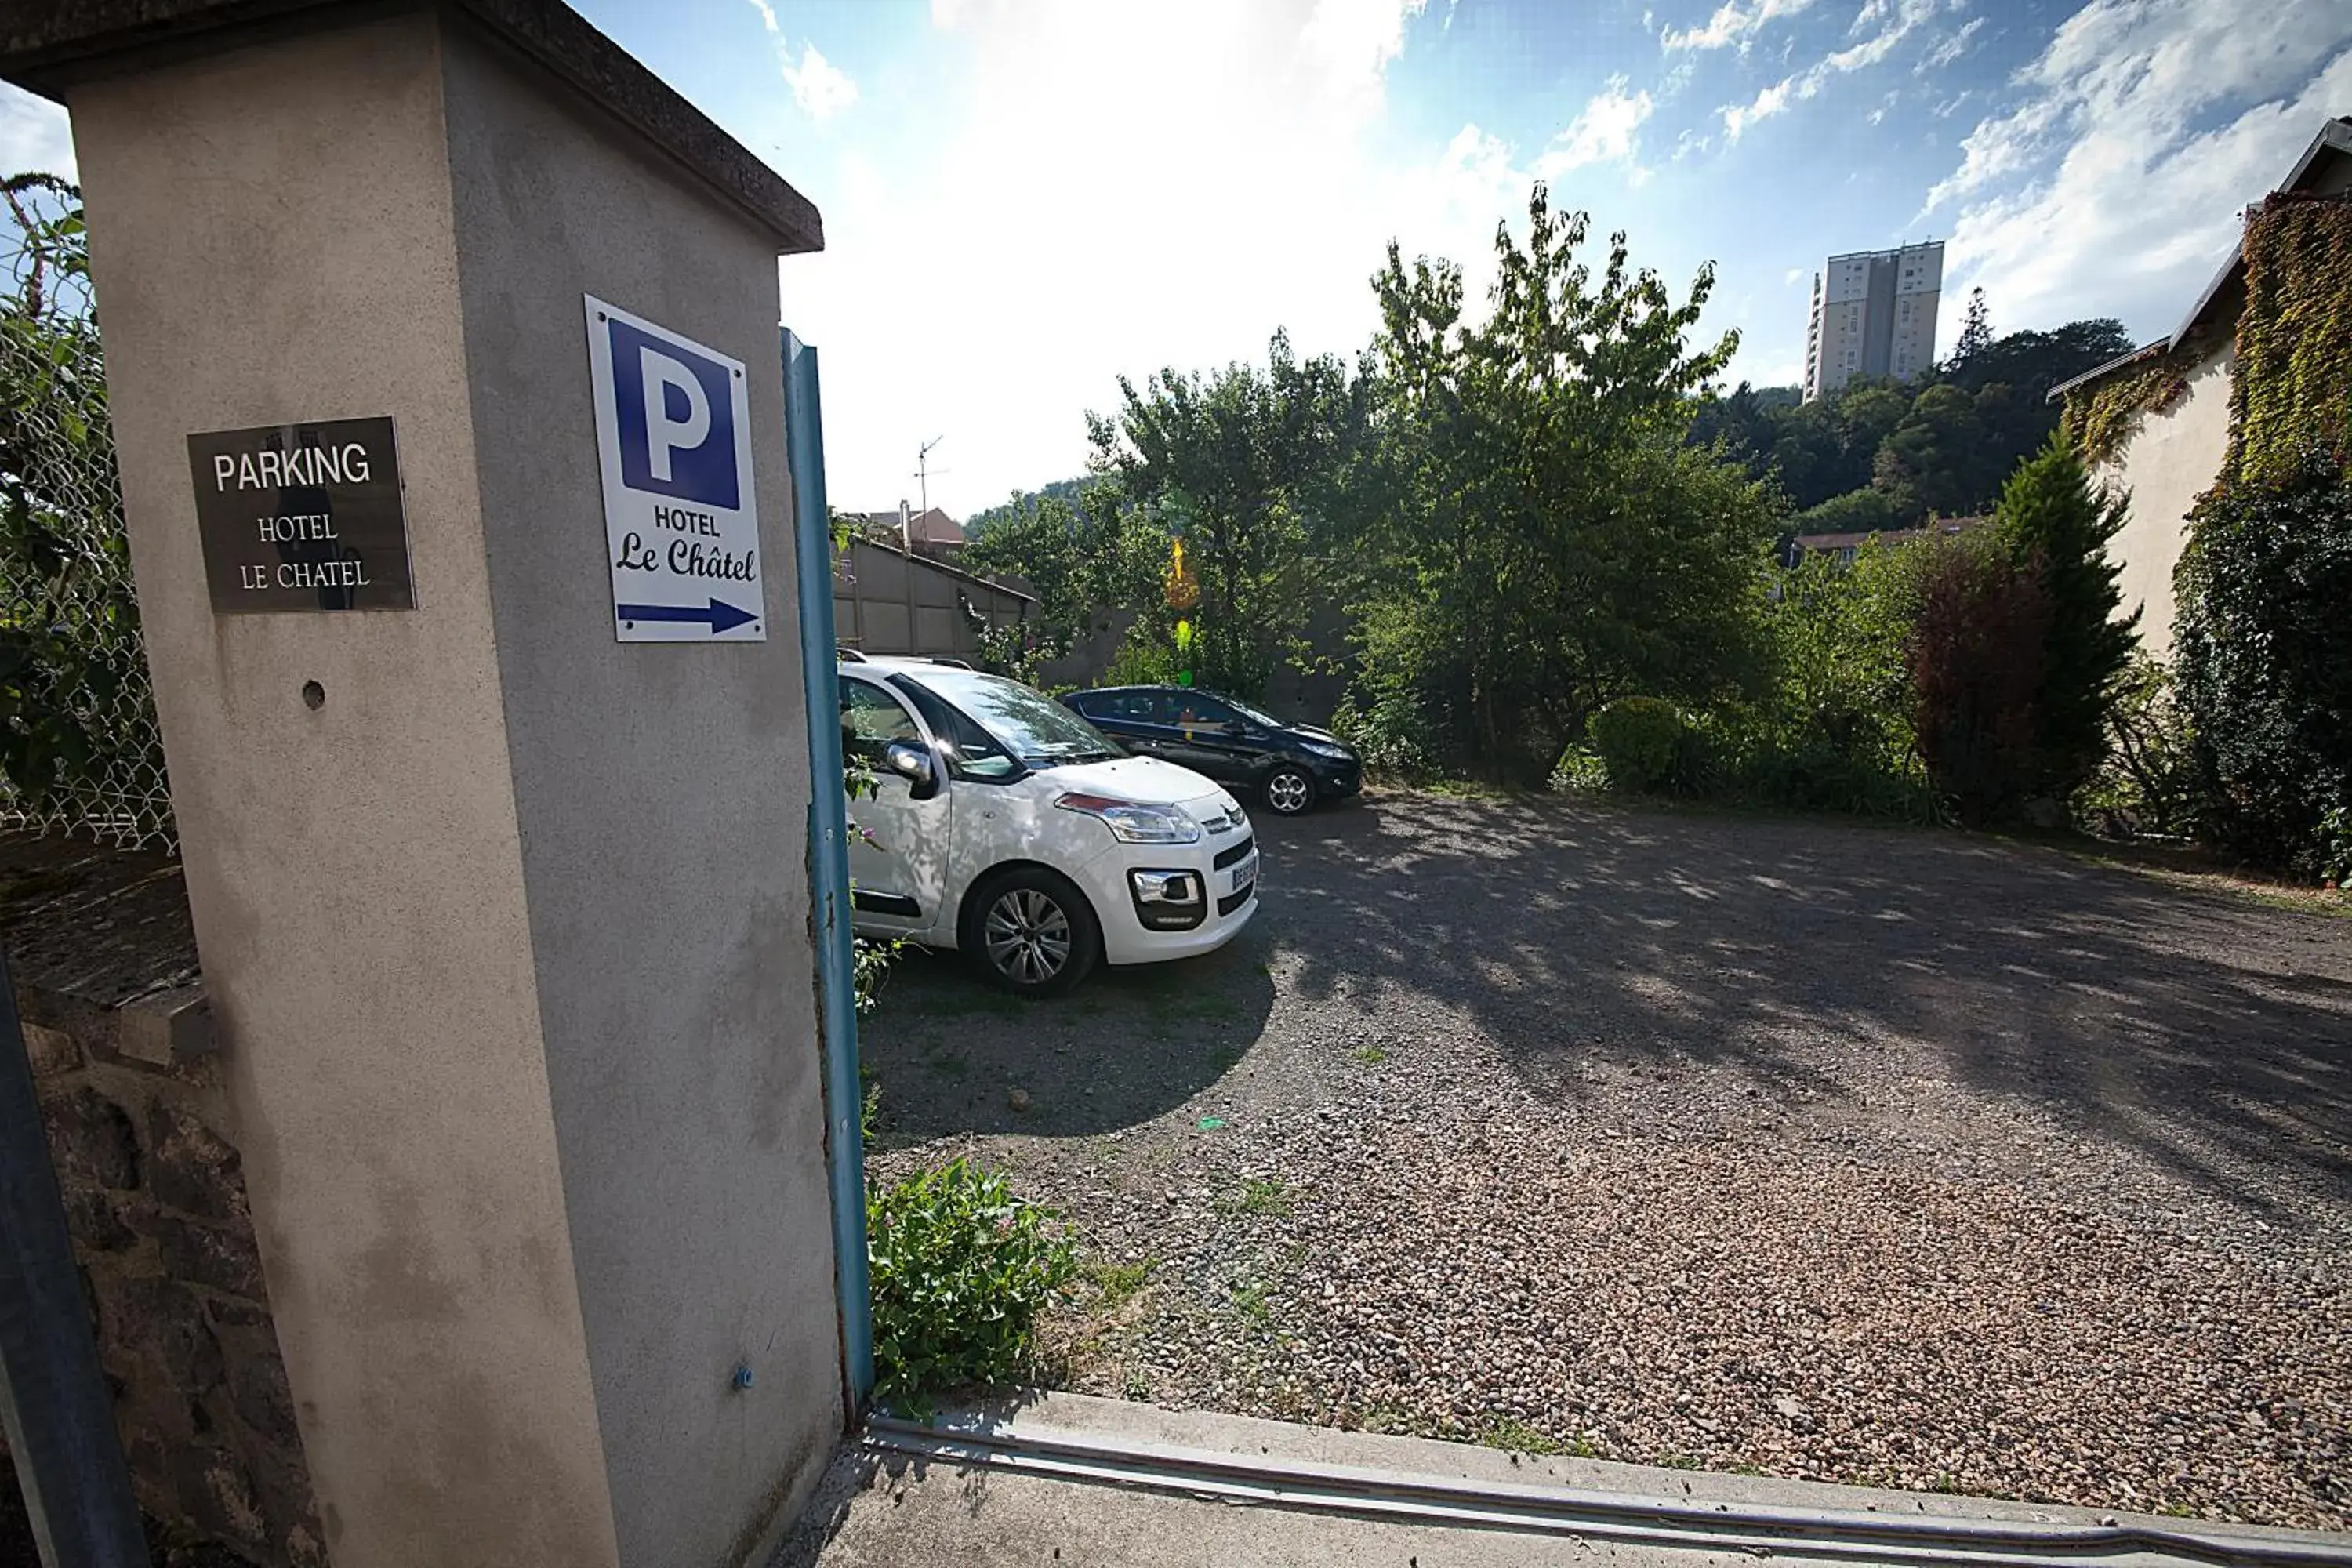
(1010, 828)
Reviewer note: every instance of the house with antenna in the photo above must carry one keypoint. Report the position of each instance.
(896, 588)
(925, 532)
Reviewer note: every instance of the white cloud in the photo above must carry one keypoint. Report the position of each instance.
(1603, 132)
(1909, 17)
(1349, 44)
(1691, 142)
(1794, 276)
(821, 87)
(1951, 48)
(1873, 12)
(2112, 185)
(34, 135)
(991, 277)
(1732, 24)
(1998, 147)
(946, 14)
(1738, 118)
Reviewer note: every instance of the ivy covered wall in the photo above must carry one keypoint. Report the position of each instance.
(2294, 385)
(2102, 417)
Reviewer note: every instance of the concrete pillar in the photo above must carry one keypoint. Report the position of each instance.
(505, 922)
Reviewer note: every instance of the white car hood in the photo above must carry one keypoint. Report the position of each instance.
(1147, 781)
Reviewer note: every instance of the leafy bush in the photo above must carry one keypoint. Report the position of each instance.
(1399, 713)
(1392, 734)
(1976, 664)
(2334, 846)
(1146, 656)
(1017, 652)
(1855, 511)
(2149, 785)
(2263, 658)
(1833, 733)
(1846, 762)
(960, 1269)
(1580, 771)
(1640, 740)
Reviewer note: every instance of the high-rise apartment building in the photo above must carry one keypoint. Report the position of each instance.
(1873, 314)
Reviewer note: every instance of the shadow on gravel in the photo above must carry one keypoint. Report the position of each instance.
(1834, 957)
(1131, 1043)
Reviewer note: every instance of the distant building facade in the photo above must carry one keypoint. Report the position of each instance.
(1873, 314)
(1846, 546)
(888, 599)
(930, 531)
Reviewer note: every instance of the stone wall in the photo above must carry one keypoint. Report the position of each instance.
(121, 1049)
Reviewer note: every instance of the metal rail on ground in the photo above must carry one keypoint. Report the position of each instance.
(1694, 1524)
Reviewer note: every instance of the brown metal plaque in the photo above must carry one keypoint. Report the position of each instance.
(303, 517)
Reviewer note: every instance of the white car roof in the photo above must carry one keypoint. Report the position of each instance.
(903, 662)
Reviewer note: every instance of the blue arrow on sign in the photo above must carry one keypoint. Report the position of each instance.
(721, 618)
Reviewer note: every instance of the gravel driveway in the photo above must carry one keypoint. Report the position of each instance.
(1819, 1150)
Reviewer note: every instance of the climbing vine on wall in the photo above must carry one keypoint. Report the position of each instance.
(2292, 389)
(2099, 419)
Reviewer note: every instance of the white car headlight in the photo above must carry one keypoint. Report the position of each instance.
(1337, 753)
(1132, 822)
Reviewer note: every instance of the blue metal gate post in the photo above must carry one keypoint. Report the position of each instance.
(829, 868)
(53, 1397)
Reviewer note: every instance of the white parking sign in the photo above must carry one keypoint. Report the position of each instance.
(681, 529)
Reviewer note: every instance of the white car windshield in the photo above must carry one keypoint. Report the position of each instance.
(1029, 724)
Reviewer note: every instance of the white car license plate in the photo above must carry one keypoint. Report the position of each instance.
(1245, 874)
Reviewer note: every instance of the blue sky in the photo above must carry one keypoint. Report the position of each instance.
(1025, 199)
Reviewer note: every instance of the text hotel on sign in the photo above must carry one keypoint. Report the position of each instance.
(674, 437)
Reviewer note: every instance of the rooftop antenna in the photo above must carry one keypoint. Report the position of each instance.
(923, 469)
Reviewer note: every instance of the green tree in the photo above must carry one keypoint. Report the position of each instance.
(1833, 445)
(981, 523)
(1080, 552)
(1806, 454)
(1933, 459)
(2036, 362)
(1548, 543)
(1976, 329)
(2053, 521)
(1253, 471)
(1745, 424)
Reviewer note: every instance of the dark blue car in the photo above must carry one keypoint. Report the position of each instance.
(1288, 766)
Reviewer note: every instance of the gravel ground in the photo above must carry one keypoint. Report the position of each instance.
(1817, 1150)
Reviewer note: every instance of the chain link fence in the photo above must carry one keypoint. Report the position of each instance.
(80, 752)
